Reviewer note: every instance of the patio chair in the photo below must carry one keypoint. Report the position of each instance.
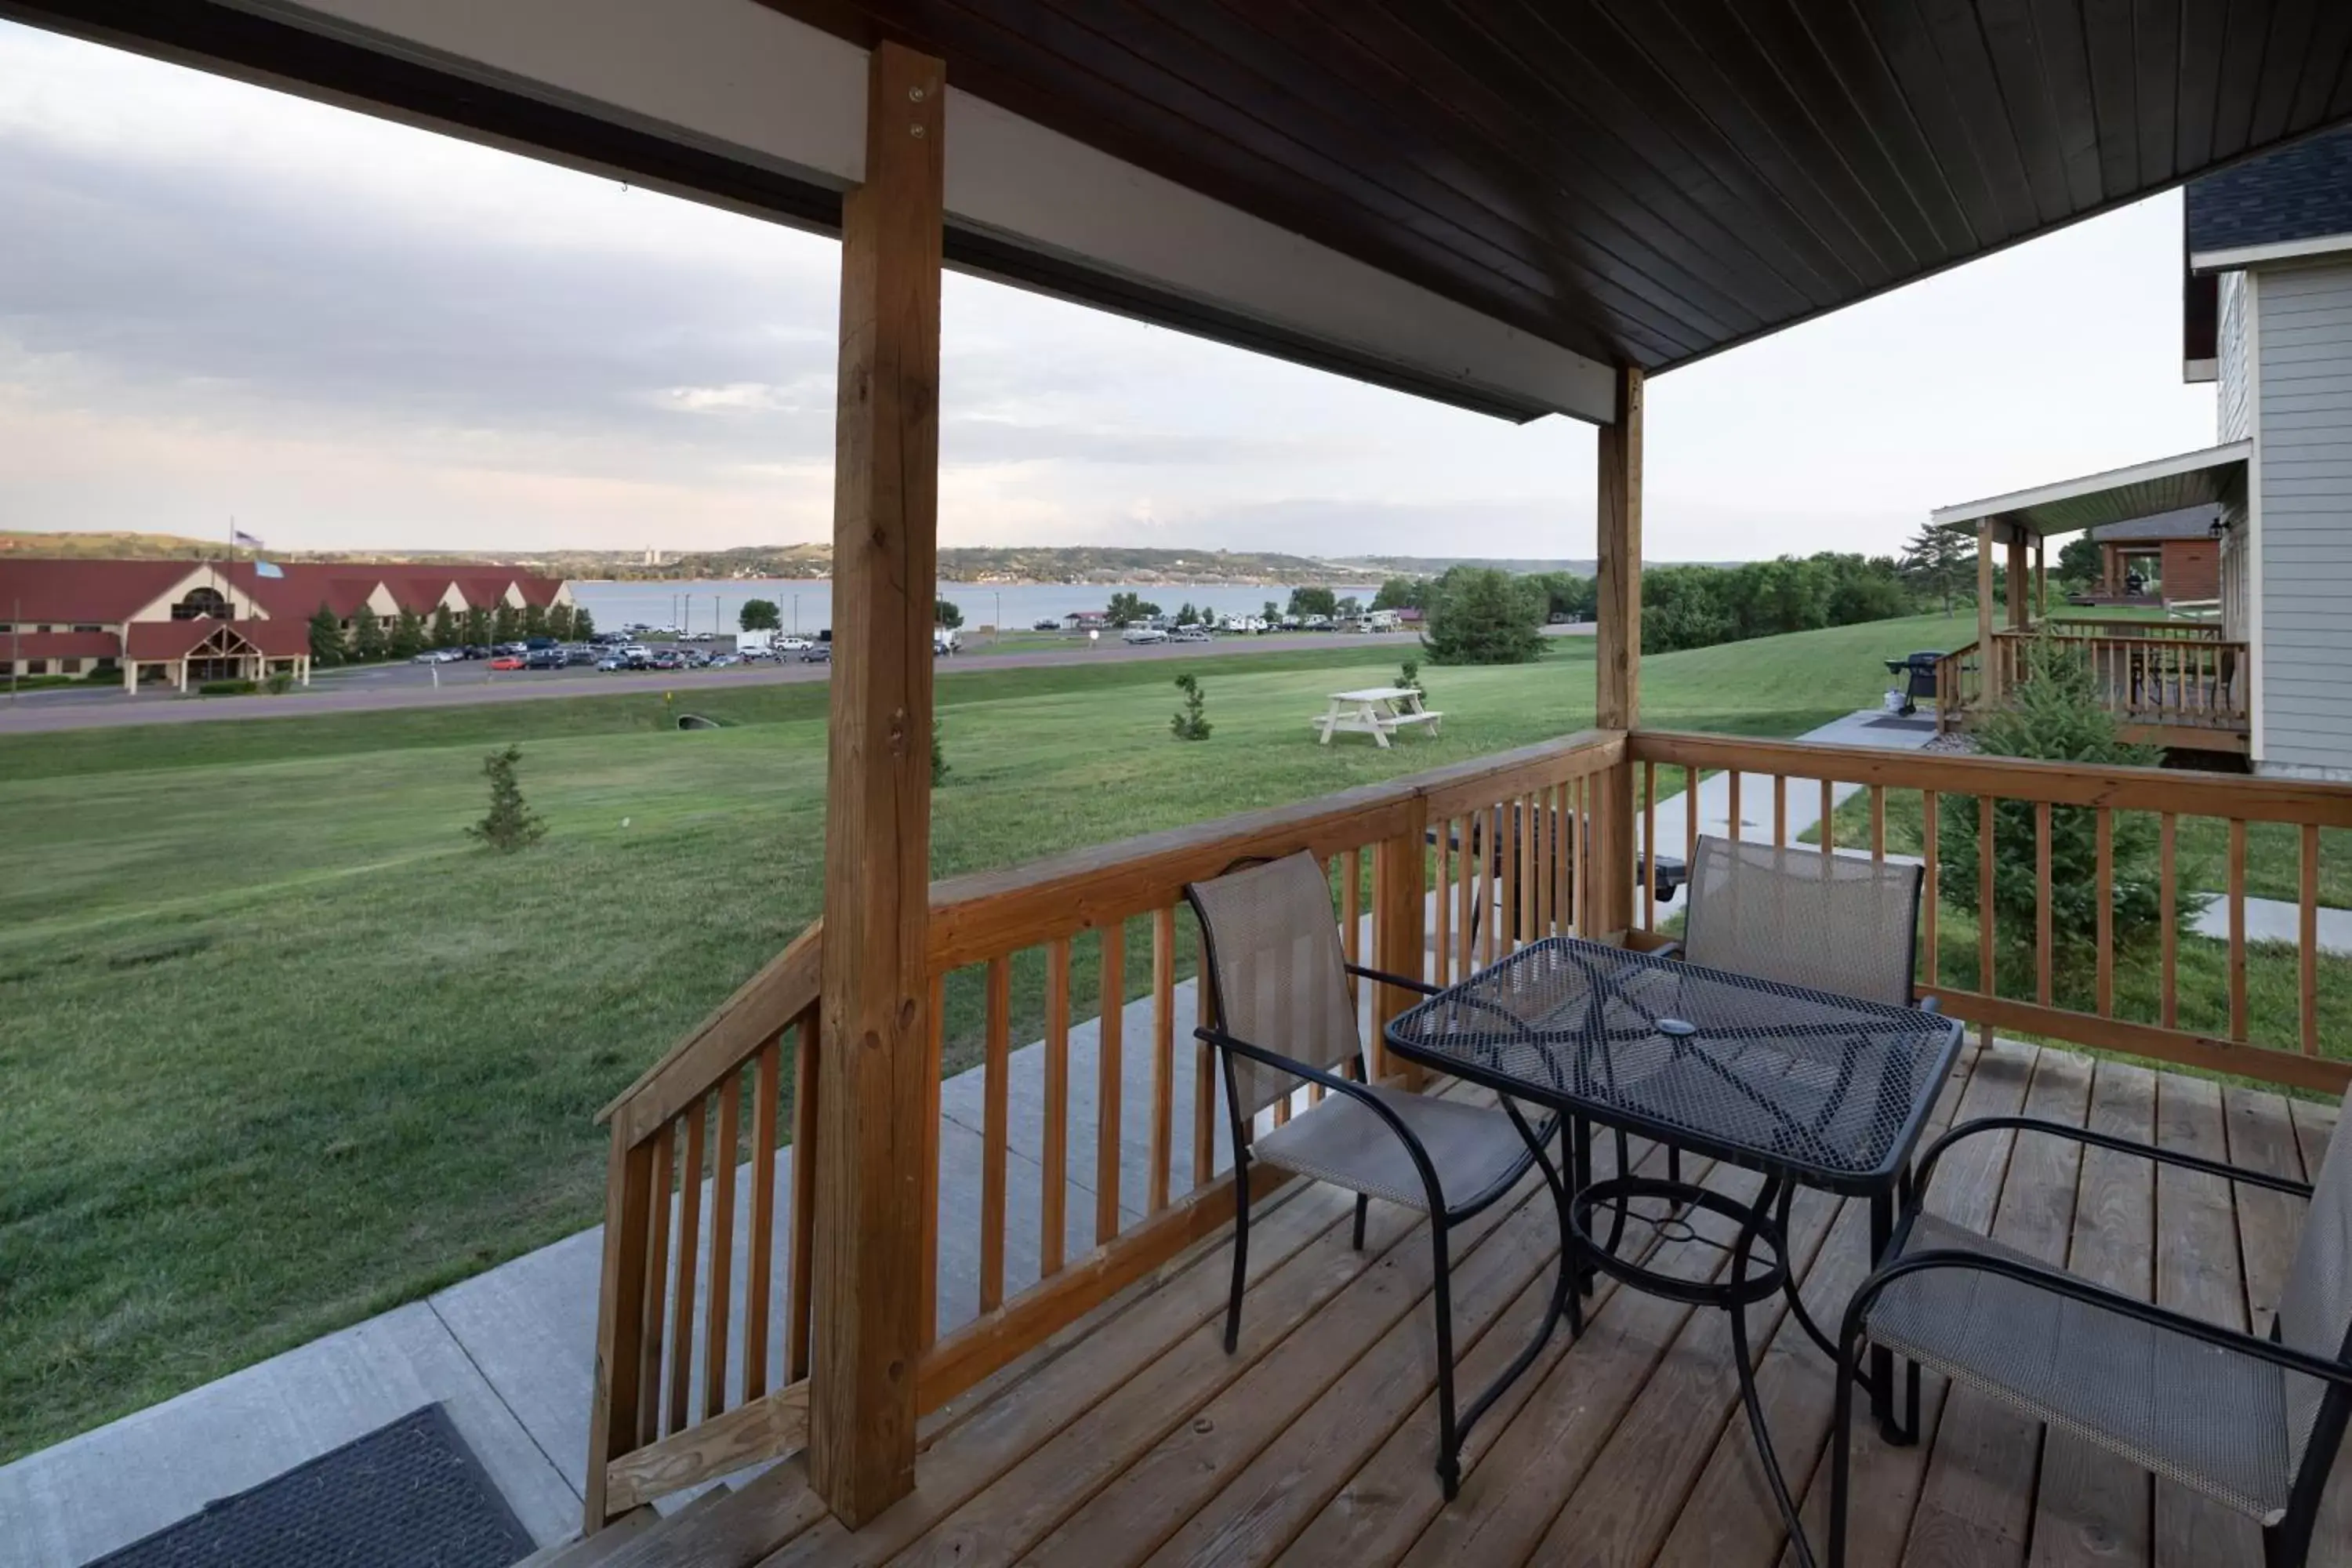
(1278, 989)
(1832, 922)
(2252, 1422)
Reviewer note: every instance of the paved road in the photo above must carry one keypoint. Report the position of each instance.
(388, 687)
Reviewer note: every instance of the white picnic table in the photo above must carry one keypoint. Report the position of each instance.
(1379, 711)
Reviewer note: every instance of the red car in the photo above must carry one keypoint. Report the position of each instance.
(506, 661)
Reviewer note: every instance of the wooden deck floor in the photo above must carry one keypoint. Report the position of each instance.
(1136, 1438)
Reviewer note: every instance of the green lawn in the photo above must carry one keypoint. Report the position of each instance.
(283, 1049)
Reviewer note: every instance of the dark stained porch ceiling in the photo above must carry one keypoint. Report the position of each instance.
(1650, 180)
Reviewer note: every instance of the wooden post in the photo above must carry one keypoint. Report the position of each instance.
(1400, 905)
(2020, 583)
(1988, 659)
(1618, 704)
(869, 1269)
(2041, 577)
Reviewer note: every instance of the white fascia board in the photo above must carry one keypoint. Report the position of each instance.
(1970, 513)
(2231, 261)
(735, 77)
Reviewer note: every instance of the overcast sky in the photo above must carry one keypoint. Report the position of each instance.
(219, 300)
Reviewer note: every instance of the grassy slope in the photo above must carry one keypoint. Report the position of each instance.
(282, 1050)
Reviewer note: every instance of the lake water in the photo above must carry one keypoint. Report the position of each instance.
(807, 603)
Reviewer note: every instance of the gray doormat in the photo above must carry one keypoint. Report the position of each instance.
(1894, 722)
(407, 1494)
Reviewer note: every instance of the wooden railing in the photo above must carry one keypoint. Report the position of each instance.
(1434, 875)
(2176, 682)
(1959, 685)
(2124, 627)
(685, 1388)
(2147, 996)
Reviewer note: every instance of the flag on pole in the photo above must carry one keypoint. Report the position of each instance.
(238, 536)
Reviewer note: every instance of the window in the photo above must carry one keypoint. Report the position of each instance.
(69, 666)
(36, 667)
(202, 603)
(93, 626)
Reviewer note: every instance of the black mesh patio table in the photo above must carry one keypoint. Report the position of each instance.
(1807, 1087)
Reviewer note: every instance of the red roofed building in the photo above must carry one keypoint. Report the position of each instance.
(182, 622)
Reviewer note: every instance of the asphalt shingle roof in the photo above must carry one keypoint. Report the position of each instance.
(2301, 192)
(2188, 522)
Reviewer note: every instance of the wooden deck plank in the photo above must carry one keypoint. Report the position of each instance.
(1381, 1509)
(1627, 1503)
(1510, 1499)
(1976, 1506)
(2262, 1138)
(1730, 1520)
(1967, 1191)
(1388, 1312)
(1011, 1426)
(2092, 1510)
(1147, 1444)
(1085, 1453)
(1387, 1392)
(2196, 1272)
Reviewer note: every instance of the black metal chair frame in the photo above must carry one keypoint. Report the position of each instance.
(1443, 1215)
(2286, 1544)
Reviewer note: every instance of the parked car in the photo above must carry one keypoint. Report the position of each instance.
(1190, 633)
(727, 661)
(473, 650)
(507, 662)
(817, 653)
(580, 654)
(611, 662)
(548, 657)
(430, 655)
(1048, 625)
(636, 651)
(793, 645)
(1140, 634)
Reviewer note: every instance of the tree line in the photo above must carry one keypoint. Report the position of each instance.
(372, 638)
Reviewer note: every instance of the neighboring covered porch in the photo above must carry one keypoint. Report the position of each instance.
(2182, 679)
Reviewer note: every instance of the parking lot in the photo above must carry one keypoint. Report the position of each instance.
(421, 686)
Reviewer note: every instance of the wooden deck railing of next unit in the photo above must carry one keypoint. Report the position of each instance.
(2028, 802)
(1433, 875)
(2173, 682)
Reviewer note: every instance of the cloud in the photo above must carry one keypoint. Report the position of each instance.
(216, 298)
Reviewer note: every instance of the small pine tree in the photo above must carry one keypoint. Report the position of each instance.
(1409, 677)
(445, 627)
(477, 626)
(1191, 723)
(510, 824)
(505, 625)
(534, 620)
(326, 637)
(2056, 713)
(367, 638)
(407, 638)
(939, 769)
(561, 623)
(1482, 616)
(583, 625)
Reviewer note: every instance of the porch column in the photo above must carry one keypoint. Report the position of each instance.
(2020, 583)
(2042, 575)
(1618, 646)
(872, 1137)
(1986, 661)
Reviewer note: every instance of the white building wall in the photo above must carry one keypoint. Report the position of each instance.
(2233, 401)
(2302, 537)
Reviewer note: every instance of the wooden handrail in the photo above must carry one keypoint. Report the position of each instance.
(979, 916)
(2175, 791)
(760, 1009)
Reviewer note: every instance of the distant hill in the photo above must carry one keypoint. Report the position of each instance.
(986, 563)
